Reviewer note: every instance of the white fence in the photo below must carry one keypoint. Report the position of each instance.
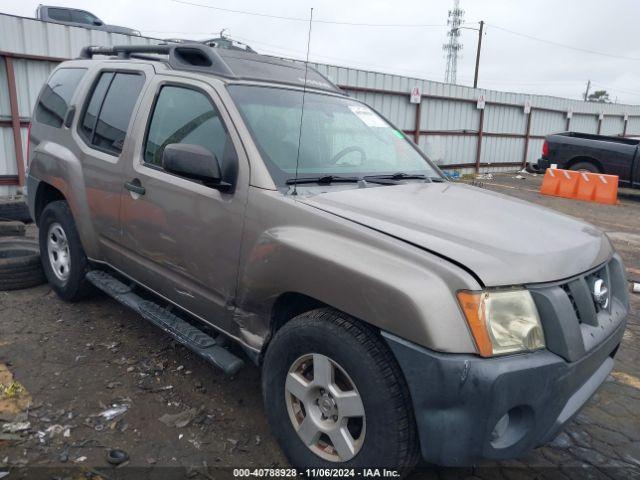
(447, 122)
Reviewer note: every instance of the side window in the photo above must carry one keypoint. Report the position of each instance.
(59, 14)
(56, 94)
(183, 115)
(91, 113)
(108, 112)
(80, 16)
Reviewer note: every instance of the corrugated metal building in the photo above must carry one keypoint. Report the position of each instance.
(447, 123)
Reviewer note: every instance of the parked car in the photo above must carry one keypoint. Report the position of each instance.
(78, 18)
(592, 153)
(393, 314)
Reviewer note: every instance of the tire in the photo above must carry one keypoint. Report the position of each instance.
(15, 210)
(585, 167)
(19, 264)
(12, 229)
(59, 240)
(385, 437)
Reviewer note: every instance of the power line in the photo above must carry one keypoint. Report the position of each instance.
(279, 50)
(301, 19)
(558, 44)
(615, 89)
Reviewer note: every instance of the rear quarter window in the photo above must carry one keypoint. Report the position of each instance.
(56, 95)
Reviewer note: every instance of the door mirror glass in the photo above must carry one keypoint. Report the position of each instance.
(191, 161)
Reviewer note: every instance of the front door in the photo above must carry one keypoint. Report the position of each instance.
(181, 238)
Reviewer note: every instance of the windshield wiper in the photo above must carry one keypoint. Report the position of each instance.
(328, 179)
(323, 179)
(398, 176)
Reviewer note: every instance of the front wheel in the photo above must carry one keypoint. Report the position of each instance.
(63, 259)
(335, 396)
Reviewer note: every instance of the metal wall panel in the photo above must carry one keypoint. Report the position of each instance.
(5, 110)
(500, 119)
(447, 115)
(535, 149)
(501, 150)
(7, 152)
(33, 37)
(633, 126)
(544, 122)
(612, 126)
(30, 76)
(448, 149)
(584, 123)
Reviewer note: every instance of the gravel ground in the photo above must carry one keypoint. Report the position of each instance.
(92, 376)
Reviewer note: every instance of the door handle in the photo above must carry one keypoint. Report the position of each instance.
(135, 186)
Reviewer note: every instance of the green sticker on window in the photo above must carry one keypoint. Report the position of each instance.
(398, 134)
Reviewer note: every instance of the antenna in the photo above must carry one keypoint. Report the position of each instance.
(304, 92)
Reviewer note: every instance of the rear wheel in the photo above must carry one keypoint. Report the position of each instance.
(586, 167)
(335, 396)
(63, 259)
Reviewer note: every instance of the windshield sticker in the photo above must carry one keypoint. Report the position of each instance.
(398, 134)
(368, 116)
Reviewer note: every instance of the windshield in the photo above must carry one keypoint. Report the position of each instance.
(339, 136)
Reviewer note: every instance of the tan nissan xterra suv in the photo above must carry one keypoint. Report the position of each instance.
(393, 314)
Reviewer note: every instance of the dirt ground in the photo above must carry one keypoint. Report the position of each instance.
(92, 376)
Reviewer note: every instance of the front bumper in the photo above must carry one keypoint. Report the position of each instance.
(458, 399)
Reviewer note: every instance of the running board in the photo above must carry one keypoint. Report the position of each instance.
(185, 333)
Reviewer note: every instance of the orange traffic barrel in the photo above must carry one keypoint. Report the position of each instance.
(607, 188)
(550, 182)
(568, 186)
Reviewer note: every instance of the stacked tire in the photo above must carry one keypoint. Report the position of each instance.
(20, 265)
(14, 210)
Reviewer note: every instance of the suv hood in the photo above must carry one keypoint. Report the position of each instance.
(503, 240)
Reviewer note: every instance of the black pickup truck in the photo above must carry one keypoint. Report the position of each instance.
(592, 153)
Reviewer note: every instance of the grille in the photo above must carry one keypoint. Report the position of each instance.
(574, 322)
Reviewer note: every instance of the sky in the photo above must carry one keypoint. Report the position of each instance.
(604, 47)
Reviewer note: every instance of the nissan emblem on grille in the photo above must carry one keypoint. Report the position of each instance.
(600, 293)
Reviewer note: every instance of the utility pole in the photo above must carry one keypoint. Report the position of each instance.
(475, 77)
(586, 93)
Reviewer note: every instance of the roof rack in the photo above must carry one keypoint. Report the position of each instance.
(222, 62)
(184, 56)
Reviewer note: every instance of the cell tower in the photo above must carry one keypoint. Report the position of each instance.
(453, 46)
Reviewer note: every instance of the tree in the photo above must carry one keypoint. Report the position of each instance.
(600, 96)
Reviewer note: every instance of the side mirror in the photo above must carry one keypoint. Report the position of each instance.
(98, 23)
(192, 161)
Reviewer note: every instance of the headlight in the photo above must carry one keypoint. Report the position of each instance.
(502, 321)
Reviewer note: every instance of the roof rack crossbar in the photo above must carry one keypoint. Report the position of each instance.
(124, 51)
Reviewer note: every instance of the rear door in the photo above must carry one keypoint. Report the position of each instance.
(101, 133)
(182, 238)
